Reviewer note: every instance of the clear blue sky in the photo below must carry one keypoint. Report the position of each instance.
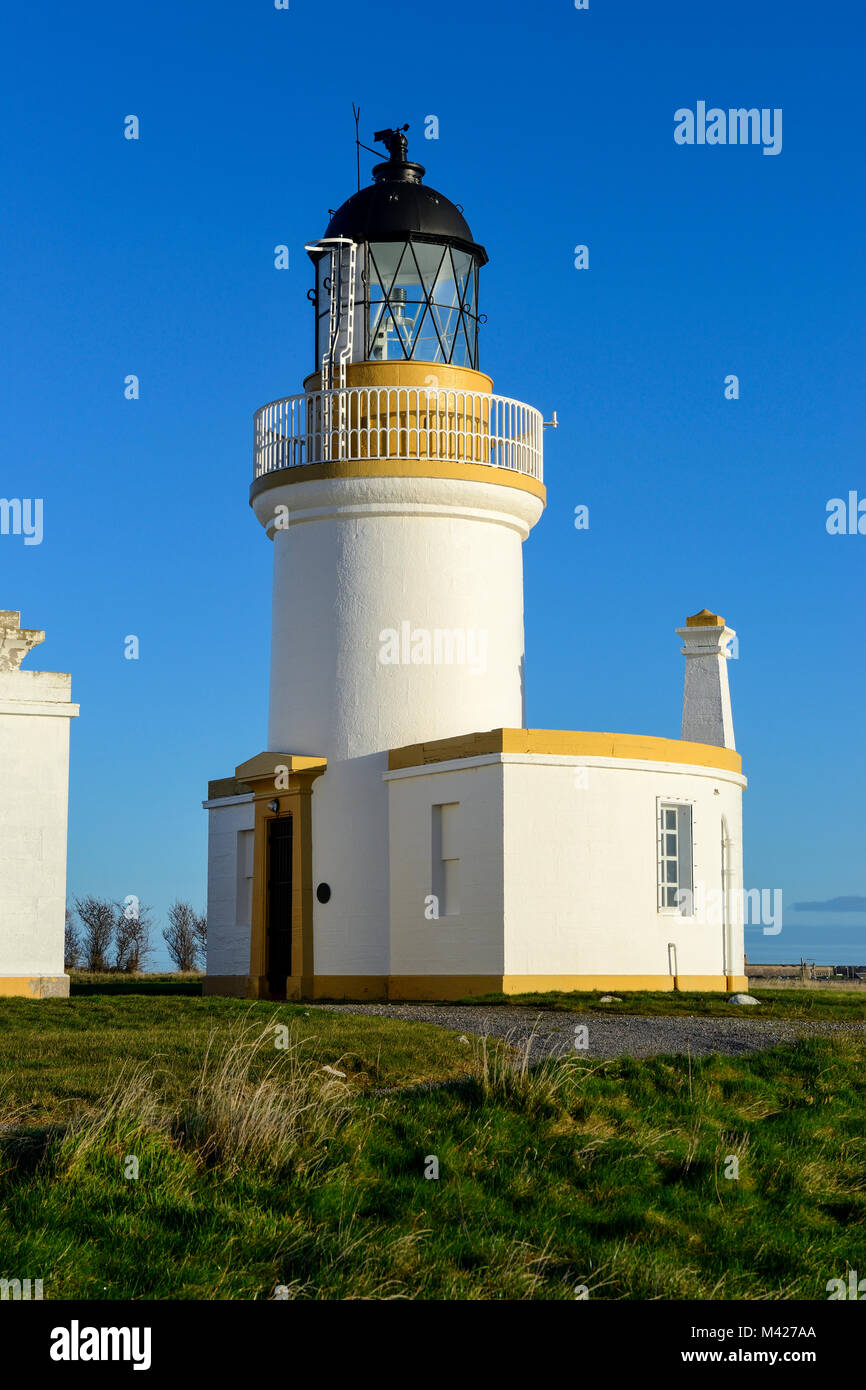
(156, 258)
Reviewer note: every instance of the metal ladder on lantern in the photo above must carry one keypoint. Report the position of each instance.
(341, 331)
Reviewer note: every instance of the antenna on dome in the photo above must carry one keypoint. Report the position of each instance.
(356, 112)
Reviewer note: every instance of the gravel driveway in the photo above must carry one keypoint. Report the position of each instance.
(614, 1036)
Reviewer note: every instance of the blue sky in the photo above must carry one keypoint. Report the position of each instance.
(155, 257)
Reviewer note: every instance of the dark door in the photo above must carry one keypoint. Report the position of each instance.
(279, 905)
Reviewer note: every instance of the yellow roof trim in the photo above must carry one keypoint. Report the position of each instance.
(400, 468)
(566, 743)
(263, 765)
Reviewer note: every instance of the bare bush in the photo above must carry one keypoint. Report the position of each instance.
(71, 943)
(97, 923)
(181, 936)
(132, 937)
(199, 926)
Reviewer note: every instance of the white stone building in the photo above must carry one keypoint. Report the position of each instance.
(35, 711)
(404, 836)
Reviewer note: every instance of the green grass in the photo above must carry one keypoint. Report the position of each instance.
(58, 1056)
(258, 1169)
(816, 1004)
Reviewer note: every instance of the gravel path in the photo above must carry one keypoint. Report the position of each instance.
(613, 1036)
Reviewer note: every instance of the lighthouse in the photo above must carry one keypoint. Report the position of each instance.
(397, 490)
(403, 834)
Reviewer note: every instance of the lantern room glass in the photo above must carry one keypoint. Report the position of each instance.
(420, 303)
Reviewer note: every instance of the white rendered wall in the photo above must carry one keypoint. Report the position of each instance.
(34, 784)
(350, 854)
(560, 868)
(228, 936)
(581, 867)
(472, 942)
(364, 555)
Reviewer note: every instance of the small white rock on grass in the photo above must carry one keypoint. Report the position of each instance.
(610, 999)
(743, 999)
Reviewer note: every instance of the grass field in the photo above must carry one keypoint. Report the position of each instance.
(259, 1169)
(58, 1058)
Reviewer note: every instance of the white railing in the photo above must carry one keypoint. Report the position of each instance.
(398, 422)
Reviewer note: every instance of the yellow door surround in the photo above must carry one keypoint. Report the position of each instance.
(282, 785)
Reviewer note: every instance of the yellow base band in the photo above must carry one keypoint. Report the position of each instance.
(34, 986)
(419, 988)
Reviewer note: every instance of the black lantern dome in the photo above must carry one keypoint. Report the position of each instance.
(416, 268)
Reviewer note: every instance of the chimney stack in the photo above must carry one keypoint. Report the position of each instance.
(707, 714)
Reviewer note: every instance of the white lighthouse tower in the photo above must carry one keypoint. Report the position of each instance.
(368, 852)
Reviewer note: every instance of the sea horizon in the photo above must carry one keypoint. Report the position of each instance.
(825, 944)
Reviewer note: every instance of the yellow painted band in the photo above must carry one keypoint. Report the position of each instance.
(565, 743)
(401, 468)
(414, 375)
(441, 987)
(230, 986)
(658, 984)
(350, 987)
(737, 983)
(34, 986)
(544, 984)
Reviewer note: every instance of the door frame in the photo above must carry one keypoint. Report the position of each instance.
(271, 924)
(267, 776)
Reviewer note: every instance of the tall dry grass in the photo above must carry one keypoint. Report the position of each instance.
(503, 1071)
(252, 1107)
(240, 1116)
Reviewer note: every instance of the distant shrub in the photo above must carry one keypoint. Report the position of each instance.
(97, 930)
(185, 936)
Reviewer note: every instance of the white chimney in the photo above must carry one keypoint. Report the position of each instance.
(707, 714)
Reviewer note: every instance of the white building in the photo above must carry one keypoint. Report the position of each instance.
(35, 711)
(404, 836)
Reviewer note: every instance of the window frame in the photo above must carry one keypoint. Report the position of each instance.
(448, 904)
(682, 856)
(464, 340)
(465, 331)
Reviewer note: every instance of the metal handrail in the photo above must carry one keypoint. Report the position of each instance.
(398, 422)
